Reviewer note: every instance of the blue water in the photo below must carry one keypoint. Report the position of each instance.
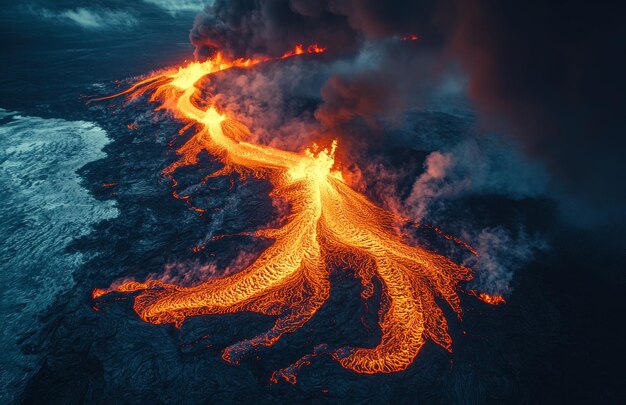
(46, 135)
(43, 207)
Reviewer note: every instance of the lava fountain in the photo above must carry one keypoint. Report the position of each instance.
(329, 224)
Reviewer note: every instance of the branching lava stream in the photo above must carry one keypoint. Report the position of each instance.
(329, 223)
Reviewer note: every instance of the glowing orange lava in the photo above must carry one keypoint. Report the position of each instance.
(488, 298)
(329, 225)
(299, 50)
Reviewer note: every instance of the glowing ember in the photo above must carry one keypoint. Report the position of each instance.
(409, 38)
(488, 298)
(329, 225)
(299, 50)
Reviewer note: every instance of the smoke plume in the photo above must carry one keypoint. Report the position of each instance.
(542, 73)
(537, 75)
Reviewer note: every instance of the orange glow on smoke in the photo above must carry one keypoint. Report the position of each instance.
(329, 225)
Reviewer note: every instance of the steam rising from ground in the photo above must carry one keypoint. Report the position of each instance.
(471, 168)
(500, 254)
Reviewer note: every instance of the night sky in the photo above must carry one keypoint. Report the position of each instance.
(501, 124)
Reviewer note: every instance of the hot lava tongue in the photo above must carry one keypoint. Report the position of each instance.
(328, 222)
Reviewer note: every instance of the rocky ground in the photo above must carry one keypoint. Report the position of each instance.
(512, 353)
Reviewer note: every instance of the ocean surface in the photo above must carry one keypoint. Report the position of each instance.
(48, 65)
(43, 207)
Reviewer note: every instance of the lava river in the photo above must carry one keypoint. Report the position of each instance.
(329, 226)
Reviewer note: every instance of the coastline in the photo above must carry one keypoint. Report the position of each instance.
(45, 206)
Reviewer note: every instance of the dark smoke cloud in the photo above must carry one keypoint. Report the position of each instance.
(549, 74)
(388, 78)
(553, 72)
(247, 27)
(381, 76)
(348, 98)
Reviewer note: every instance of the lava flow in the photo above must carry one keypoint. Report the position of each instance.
(329, 225)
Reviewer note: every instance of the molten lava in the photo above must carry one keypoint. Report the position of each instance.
(488, 298)
(299, 50)
(329, 225)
